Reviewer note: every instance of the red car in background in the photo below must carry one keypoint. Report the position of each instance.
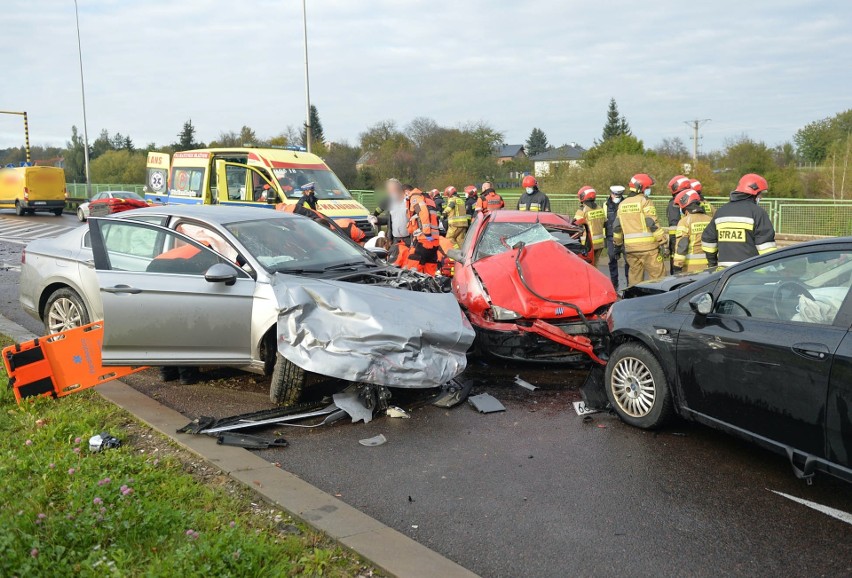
(525, 281)
(109, 203)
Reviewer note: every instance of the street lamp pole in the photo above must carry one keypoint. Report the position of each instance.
(307, 81)
(83, 94)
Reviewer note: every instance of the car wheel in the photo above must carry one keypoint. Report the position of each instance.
(58, 212)
(636, 386)
(288, 381)
(81, 216)
(19, 210)
(64, 310)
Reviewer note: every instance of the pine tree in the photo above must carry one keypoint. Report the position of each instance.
(186, 137)
(537, 142)
(128, 144)
(616, 124)
(317, 135)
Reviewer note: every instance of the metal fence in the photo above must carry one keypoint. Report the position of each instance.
(789, 216)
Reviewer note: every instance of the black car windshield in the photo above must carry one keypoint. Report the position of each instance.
(499, 237)
(326, 184)
(296, 245)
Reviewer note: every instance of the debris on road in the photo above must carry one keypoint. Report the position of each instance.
(398, 412)
(250, 442)
(525, 384)
(350, 401)
(486, 403)
(582, 409)
(373, 441)
(103, 441)
(453, 393)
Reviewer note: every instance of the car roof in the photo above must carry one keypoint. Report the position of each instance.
(506, 216)
(213, 213)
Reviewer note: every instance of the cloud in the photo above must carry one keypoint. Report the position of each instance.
(764, 67)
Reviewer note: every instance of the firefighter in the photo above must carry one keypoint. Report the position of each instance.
(673, 216)
(423, 227)
(616, 195)
(490, 199)
(740, 228)
(688, 254)
(458, 220)
(308, 198)
(470, 200)
(435, 194)
(532, 199)
(696, 186)
(637, 232)
(594, 217)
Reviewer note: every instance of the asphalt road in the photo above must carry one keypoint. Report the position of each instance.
(538, 491)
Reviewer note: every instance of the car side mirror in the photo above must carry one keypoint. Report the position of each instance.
(702, 304)
(456, 255)
(221, 273)
(379, 252)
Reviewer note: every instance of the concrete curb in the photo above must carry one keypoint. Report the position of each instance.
(391, 551)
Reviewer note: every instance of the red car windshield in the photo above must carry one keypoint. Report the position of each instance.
(500, 237)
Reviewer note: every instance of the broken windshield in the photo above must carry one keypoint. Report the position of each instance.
(500, 237)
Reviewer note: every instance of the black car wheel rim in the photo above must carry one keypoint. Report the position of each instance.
(633, 387)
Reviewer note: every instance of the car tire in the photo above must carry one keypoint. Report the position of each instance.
(64, 310)
(58, 212)
(636, 387)
(81, 216)
(19, 210)
(288, 381)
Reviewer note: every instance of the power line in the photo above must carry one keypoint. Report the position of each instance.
(696, 124)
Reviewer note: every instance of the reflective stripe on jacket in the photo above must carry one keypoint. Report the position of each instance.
(537, 201)
(456, 212)
(636, 225)
(688, 251)
(595, 217)
(738, 230)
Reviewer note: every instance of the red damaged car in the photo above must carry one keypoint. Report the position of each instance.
(526, 283)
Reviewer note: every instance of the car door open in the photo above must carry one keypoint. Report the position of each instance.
(167, 299)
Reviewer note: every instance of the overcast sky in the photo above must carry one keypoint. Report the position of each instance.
(760, 67)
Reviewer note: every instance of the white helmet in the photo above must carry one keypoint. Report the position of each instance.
(617, 190)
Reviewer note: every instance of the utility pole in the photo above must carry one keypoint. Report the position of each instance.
(695, 124)
(83, 94)
(307, 81)
(26, 132)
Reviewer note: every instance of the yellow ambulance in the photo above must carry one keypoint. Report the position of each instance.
(257, 177)
(30, 189)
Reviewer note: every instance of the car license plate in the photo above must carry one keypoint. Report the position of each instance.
(39, 202)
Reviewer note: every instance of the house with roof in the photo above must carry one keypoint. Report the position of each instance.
(570, 155)
(508, 153)
(367, 159)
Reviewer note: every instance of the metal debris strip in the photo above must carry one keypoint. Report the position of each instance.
(250, 442)
(486, 403)
(374, 441)
(350, 402)
(281, 420)
(525, 384)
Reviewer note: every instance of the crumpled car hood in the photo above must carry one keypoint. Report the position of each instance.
(371, 334)
(550, 270)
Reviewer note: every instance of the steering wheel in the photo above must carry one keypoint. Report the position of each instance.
(724, 304)
(785, 298)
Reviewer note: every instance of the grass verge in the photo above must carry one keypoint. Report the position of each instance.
(148, 508)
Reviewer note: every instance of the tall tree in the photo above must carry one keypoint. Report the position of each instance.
(248, 136)
(317, 135)
(537, 142)
(672, 148)
(128, 144)
(102, 144)
(186, 137)
(616, 124)
(75, 167)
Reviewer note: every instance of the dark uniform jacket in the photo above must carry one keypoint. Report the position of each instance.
(537, 201)
(738, 230)
(307, 200)
(470, 204)
(611, 210)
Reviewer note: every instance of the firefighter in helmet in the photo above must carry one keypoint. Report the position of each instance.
(637, 232)
(593, 217)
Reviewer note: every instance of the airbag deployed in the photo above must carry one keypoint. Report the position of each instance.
(371, 334)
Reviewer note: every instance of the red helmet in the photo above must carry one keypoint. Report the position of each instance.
(678, 184)
(451, 190)
(639, 183)
(686, 197)
(468, 190)
(586, 194)
(696, 185)
(434, 193)
(529, 181)
(752, 184)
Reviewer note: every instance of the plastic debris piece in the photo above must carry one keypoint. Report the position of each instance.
(349, 402)
(103, 441)
(250, 442)
(582, 409)
(486, 403)
(453, 393)
(602, 425)
(373, 441)
(394, 411)
(525, 384)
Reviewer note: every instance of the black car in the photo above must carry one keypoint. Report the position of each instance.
(762, 350)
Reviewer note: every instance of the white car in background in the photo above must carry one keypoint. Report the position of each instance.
(83, 209)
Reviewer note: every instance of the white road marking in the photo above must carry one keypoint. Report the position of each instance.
(10, 266)
(21, 232)
(828, 511)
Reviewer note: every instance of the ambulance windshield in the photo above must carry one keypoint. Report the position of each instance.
(327, 186)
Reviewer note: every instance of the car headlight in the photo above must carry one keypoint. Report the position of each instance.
(503, 314)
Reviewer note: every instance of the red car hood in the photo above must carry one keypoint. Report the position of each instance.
(551, 271)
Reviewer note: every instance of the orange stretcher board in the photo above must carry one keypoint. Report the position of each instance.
(60, 364)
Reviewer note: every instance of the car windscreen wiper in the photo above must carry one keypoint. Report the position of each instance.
(301, 271)
(352, 266)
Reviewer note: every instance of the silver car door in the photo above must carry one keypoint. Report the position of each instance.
(168, 300)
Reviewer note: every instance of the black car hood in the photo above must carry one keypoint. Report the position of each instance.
(667, 284)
